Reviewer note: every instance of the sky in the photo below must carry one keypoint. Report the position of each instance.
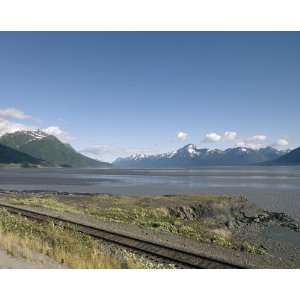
(113, 94)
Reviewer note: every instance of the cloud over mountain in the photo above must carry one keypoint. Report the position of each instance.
(13, 113)
(58, 132)
(253, 142)
(259, 137)
(212, 138)
(249, 145)
(215, 137)
(283, 142)
(8, 125)
(111, 152)
(230, 135)
(182, 136)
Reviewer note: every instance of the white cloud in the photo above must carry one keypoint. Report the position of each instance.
(109, 153)
(254, 142)
(212, 138)
(53, 130)
(182, 136)
(244, 144)
(10, 127)
(259, 137)
(13, 113)
(230, 135)
(58, 132)
(7, 126)
(106, 152)
(281, 143)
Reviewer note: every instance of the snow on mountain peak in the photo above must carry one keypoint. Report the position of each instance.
(34, 134)
(188, 150)
(191, 154)
(138, 156)
(191, 149)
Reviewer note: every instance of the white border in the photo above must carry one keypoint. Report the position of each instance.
(149, 284)
(150, 15)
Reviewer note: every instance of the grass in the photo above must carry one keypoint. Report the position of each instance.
(155, 218)
(250, 248)
(159, 219)
(149, 212)
(46, 202)
(67, 246)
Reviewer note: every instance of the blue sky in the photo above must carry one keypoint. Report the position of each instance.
(112, 94)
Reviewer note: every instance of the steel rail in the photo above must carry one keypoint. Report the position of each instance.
(184, 258)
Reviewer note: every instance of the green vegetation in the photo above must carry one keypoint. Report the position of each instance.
(10, 157)
(65, 245)
(47, 202)
(159, 219)
(155, 213)
(248, 247)
(47, 148)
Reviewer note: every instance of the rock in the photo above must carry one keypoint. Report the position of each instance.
(183, 212)
(230, 224)
(205, 211)
(250, 213)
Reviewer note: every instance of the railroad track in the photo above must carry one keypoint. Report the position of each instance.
(184, 258)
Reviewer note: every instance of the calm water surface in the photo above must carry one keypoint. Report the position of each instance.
(272, 188)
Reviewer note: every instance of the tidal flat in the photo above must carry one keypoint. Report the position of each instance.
(271, 188)
(230, 227)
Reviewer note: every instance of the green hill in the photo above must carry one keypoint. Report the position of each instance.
(48, 148)
(12, 156)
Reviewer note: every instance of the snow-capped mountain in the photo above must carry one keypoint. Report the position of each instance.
(48, 148)
(192, 157)
(18, 139)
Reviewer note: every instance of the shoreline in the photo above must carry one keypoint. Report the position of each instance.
(229, 223)
(275, 191)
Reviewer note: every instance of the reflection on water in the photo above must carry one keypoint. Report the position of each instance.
(273, 188)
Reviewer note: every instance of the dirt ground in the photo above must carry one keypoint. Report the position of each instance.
(8, 261)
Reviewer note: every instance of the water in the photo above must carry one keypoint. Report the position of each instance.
(272, 188)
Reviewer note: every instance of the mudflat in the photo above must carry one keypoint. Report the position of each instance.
(271, 188)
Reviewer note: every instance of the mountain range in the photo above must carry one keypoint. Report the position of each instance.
(38, 147)
(41, 149)
(192, 157)
(291, 158)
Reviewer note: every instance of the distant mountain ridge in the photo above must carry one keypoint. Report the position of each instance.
(45, 147)
(291, 158)
(190, 156)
